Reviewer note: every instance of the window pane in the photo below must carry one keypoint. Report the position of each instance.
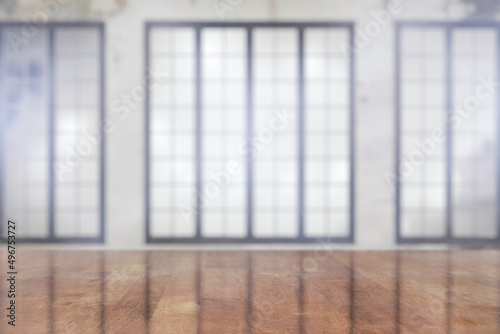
(25, 111)
(275, 168)
(78, 130)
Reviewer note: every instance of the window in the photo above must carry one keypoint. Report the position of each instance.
(250, 135)
(447, 128)
(52, 151)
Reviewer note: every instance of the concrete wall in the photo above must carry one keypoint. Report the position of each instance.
(375, 226)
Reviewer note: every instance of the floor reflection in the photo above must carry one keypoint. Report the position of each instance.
(256, 292)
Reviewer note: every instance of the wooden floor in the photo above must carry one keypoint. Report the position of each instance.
(255, 292)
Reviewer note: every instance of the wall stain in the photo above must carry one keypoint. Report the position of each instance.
(38, 10)
(473, 9)
(102, 9)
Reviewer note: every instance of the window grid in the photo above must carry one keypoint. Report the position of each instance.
(76, 78)
(256, 111)
(480, 62)
(46, 58)
(20, 97)
(276, 167)
(456, 62)
(223, 82)
(324, 126)
(421, 118)
(173, 149)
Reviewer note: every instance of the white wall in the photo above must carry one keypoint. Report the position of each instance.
(375, 226)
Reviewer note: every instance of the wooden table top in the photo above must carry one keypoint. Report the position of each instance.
(255, 292)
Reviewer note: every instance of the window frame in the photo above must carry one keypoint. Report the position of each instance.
(52, 114)
(248, 26)
(448, 28)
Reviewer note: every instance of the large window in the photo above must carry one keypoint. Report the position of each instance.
(250, 134)
(51, 97)
(447, 127)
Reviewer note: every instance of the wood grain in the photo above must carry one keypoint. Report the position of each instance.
(256, 292)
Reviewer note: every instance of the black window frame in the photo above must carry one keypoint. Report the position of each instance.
(52, 114)
(448, 238)
(248, 26)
